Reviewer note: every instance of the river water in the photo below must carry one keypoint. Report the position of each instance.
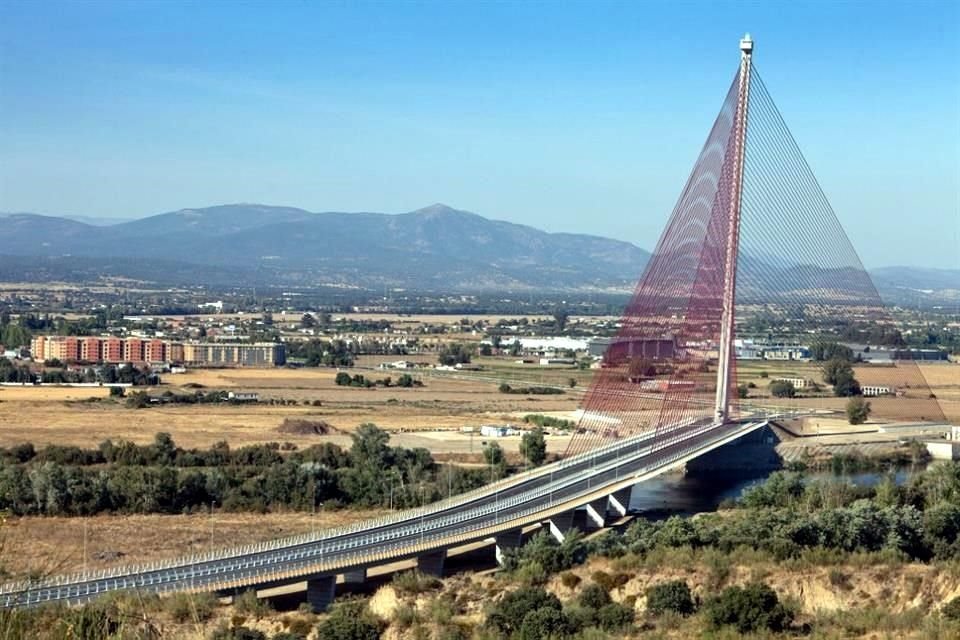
(679, 494)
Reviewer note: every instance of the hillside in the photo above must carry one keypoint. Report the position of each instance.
(432, 248)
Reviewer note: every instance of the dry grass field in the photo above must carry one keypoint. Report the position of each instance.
(63, 415)
(430, 416)
(56, 545)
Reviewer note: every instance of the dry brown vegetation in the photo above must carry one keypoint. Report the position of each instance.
(62, 415)
(55, 544)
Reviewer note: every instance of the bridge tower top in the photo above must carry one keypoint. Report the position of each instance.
(746, 45)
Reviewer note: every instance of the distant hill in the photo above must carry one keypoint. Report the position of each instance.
(435, 248)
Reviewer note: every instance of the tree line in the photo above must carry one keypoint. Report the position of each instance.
(123, 477)
(106, 374)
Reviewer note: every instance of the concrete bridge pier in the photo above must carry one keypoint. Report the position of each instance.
(505, 541)
(560, 524)
(321, 592)
(355, 576)
(597, 513)
(432, 563)
(620, 501)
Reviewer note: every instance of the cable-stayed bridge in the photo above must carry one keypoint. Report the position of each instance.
(752, 229)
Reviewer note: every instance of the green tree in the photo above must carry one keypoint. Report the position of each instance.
(496, 459)
(829, 350)
(533, 446)
(839, 373)
(543, 624)
(782, 389)
(508, 614)
(670, 596)
(747, 609)
(455, 353)
(858, 410)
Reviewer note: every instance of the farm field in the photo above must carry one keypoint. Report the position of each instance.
(63, 415)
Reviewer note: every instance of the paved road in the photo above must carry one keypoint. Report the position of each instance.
(527, 498)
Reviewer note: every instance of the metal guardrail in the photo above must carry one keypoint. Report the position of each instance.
(383, 538)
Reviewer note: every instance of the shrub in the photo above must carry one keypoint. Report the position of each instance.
(415, 582)
(593, 596)
(750, 608)
(237, 632)
(349, 621)
(782, 389)
(951, 610)
(247, 603)
(405, 616)
(187, 607)
(614, 616)
(570, 580)
(670, 596)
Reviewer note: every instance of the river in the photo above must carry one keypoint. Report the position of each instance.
(680, 494)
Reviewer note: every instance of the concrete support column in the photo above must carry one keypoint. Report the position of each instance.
(597, 513)
(620, 501)
(356, 576)
(321, 592)
(505, 541)
(560, 524)
(431, 563)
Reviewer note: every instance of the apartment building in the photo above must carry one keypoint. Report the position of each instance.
(113, 350)
(260, 354)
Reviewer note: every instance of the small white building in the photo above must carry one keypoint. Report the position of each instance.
(495, 430)
(943, 450)
(872, 391)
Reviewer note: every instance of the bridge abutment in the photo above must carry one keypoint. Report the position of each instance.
(754, 452)
(320, 592)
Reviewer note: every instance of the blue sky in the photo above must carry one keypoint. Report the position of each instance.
(569, 116)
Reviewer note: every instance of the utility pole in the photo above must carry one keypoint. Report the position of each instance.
(739, 134)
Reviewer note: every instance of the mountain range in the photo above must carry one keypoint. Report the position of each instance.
(434, 248)
(437, 248)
